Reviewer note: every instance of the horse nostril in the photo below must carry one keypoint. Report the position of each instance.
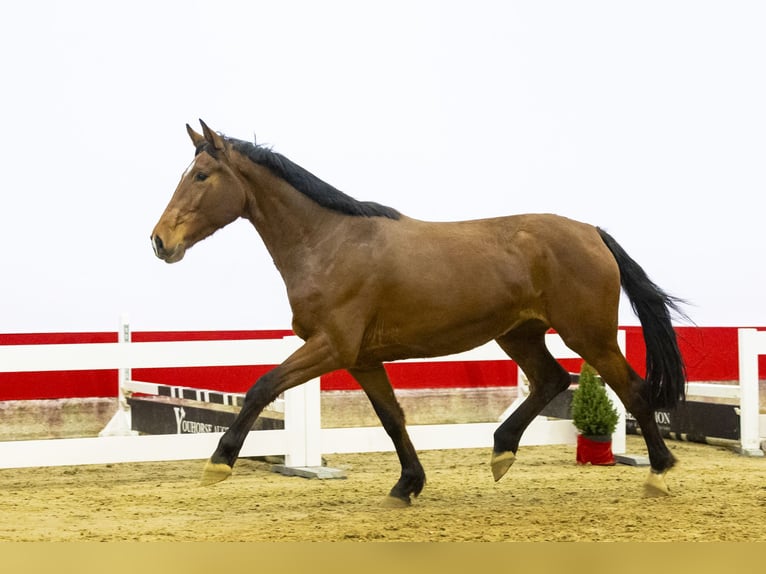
(157, 244)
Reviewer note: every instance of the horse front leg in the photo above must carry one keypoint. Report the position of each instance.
(374, 381)
(308, 362)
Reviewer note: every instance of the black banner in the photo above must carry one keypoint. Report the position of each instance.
(158, 416)
(695, 421)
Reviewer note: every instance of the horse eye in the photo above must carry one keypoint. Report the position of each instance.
(200, 176)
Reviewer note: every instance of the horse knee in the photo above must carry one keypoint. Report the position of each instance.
(261, 393)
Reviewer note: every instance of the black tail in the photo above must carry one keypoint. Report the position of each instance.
(665, 371)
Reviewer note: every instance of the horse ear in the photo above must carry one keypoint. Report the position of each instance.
(212, 138)
(196, 138)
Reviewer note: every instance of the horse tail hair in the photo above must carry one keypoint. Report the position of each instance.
(665, 370)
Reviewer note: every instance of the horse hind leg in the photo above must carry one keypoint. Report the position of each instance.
(547, 378)
(635, 395)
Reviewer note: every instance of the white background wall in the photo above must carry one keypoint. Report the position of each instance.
(646, 118)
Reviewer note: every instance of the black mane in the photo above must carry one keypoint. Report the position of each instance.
(310, 185)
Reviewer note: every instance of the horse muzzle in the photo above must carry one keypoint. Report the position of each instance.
(163, 252)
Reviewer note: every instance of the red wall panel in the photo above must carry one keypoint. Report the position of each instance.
(710, 354)
(47, 385)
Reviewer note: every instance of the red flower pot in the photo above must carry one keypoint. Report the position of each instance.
(595, 450)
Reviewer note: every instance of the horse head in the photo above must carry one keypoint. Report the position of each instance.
(209, 196)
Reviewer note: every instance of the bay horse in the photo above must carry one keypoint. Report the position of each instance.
(367, 284)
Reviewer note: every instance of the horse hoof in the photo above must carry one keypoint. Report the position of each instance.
(655, 485)
(396, 502)
(215, 472)
(501, 463)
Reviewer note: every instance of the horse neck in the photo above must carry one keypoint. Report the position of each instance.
(288, 222)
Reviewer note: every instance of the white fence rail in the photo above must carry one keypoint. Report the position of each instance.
(121, 356)
(302, 441)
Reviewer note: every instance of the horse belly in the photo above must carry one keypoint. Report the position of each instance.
(441, 321)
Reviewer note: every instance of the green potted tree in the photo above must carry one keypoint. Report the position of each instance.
(595, 418)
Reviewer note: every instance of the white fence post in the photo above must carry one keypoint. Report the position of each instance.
(303, 425)
(619, 441)
(120, 423)
(751, 344)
